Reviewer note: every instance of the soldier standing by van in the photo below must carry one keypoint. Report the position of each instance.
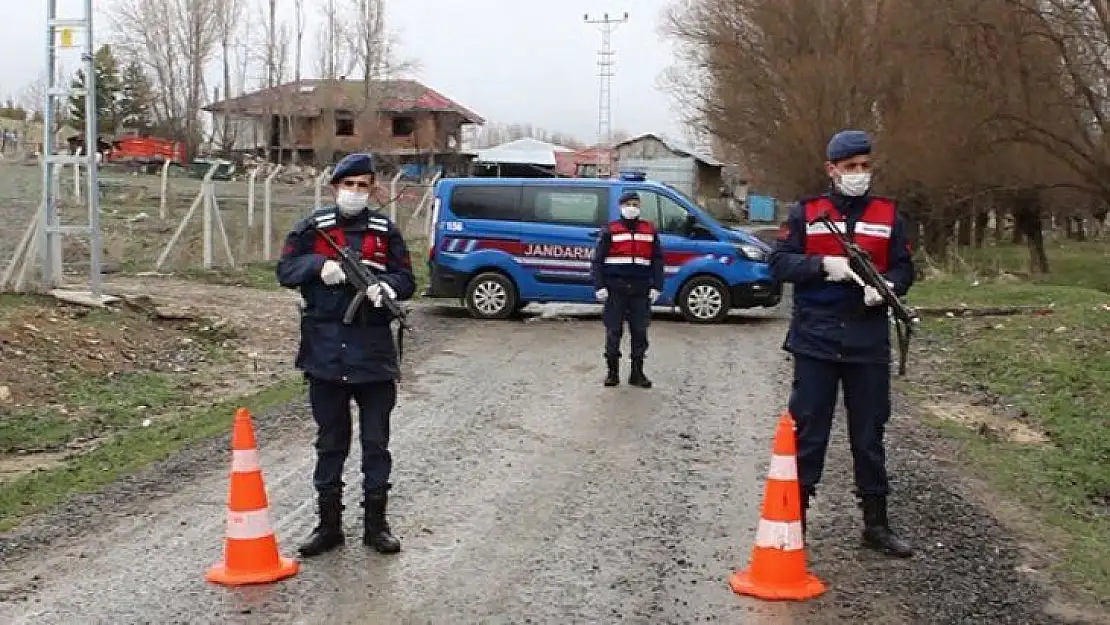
(341, 361)
(628, 276)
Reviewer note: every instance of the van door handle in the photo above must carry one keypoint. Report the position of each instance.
(593, 234)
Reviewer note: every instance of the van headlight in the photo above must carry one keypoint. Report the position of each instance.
(751, 252)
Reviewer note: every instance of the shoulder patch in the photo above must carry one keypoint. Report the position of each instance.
(376, 220)
(326, 218)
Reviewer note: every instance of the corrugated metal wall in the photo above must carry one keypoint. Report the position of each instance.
(677, 172)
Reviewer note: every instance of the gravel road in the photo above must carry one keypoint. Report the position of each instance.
(527, 493)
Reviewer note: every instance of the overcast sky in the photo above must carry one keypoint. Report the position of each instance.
(509, 60)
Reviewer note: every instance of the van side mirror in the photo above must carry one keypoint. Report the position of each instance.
(689, 225)
(698, 231)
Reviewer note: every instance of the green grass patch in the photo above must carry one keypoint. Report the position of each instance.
(258, 275)
(128, 451)
(1070, 263)
(10, 303)
(93, 406)
(1056, 369)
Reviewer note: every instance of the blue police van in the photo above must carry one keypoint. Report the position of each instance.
(499, 244)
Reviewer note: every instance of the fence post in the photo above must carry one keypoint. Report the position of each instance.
(162, 205)
(427, 195)
(251, 179)
(200, 199)
(320, 187)
(393, 196)
(267, 215)
(207, 189)
(77, 178)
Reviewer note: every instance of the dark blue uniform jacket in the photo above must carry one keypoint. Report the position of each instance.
(363, 351)
(830, 321)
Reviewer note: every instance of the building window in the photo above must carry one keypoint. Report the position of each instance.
(403, 126)
(344, 124)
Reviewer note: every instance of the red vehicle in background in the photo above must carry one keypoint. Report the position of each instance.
(135, 149)
(147, 150)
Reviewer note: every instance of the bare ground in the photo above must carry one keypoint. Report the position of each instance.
(527, 493)
(208, 342)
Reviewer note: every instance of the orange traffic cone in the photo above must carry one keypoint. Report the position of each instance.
(778, 565)
(250, 553)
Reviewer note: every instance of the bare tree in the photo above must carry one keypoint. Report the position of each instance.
(299, 20)
(271, 44)
(228, 17)
(174, 40)
(966, 98)
(368, 49)
(328, 44)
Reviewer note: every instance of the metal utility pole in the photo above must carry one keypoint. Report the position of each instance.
(605, 74)
(59, 34)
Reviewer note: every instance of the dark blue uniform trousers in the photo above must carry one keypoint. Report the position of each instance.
(627, 302)
(331, 410)
(867, 401)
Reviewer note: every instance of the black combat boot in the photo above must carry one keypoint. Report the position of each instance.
(637, 378)
(377, 534)
(877, 534)
(329, 533)
(613, 378)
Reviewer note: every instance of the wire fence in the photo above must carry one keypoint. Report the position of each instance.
(170, 222)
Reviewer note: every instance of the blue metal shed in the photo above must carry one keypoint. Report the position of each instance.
(761, 208)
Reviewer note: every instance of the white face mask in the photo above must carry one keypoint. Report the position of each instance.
(629, 211)
(351, 202)
(854, 185)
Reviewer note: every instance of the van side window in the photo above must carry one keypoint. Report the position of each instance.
(495, 202)
(662, 211)
(568, 206)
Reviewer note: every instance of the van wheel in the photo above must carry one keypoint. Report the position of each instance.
(704, 299)
(490, 296)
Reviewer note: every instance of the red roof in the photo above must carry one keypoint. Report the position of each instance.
(309, 98)
(567, 163)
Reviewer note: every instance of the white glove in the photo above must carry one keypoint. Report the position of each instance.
(374, 293)
(839, 269)
(871, 296)
(332, 273)
(602, 295)
(653, 295)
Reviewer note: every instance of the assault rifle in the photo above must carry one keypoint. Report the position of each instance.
(905, 317)
(360, 277)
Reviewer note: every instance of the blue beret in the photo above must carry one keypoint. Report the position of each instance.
(846, 144)
(353, 165)
(628, 196)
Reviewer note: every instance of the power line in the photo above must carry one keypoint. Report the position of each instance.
(605, 73)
